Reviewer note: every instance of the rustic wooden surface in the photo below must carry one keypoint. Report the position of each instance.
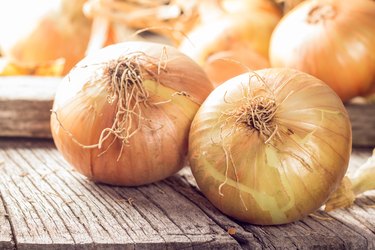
(25, 104)
(45, 204)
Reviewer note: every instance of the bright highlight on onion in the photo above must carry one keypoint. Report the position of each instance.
(269, 147)
(122, 115)
(332, 40)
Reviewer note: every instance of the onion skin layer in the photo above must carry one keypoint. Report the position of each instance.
(288, 177)
(81, 111)
(332, 40)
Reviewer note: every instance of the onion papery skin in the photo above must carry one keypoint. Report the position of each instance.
(82, 110)
(57, 31)
(281, 179)
(332, 40)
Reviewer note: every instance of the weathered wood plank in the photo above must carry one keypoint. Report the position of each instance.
(54, 207)
(177, 221)
(6, 241)
(362, 117)
(25, 104)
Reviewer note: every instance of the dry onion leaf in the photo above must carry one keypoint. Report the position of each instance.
(168, 18)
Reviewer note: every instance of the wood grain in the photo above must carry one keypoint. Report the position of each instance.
(25, 104)
(54, 207)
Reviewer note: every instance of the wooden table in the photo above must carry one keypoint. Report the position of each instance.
(45, 204)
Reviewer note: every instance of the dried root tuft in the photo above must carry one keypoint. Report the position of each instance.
(125, 80)
(255, 112)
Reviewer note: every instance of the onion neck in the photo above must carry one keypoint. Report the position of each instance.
(321, 13)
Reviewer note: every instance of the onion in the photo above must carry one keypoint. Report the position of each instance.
(332, 40)
(38, 32)
(287, 5)
(123, 114)
(239, 34)
(223, 65)
(230, 31)
(209, 10)
(269, 147)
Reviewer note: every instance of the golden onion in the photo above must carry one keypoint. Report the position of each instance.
(123, 114)
(269, 147)
(242, 34)
(332, 40)
(223, 65)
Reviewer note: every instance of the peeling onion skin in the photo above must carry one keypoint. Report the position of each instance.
(81, 111)
(338, 48)
(291, 175)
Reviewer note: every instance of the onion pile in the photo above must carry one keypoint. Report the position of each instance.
(269, 147)
(332, 40)
(122, 115)
(37, 33)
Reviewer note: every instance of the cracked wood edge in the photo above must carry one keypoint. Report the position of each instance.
(6, 241)
(352, 228)
(54, 207)
(25, 104)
